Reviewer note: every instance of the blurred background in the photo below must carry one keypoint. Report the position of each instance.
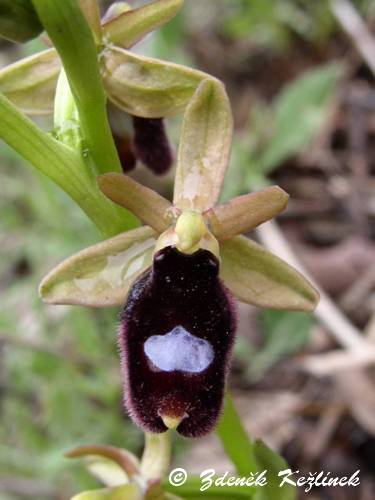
(303, 96)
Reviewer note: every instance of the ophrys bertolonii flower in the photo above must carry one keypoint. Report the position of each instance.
(178, 273)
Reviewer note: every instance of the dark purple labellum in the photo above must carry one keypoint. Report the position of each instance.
(125, 152)
(151, 144)
(176, 335)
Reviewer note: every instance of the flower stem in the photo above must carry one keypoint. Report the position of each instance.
(64, 166)
(156, 455)
(67, 27)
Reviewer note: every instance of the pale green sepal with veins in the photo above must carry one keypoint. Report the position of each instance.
(30, 84)
(101, 275)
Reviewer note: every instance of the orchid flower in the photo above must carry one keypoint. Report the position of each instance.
(178, 273)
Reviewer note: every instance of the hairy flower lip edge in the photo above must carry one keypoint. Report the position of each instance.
(203, 419)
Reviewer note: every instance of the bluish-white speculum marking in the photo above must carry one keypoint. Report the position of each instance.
(179, 350)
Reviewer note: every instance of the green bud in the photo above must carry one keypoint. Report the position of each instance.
(66, 119)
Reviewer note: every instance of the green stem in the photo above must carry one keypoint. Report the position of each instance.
(156, 456)
(235, 440)
(67, 27)
(64, 166)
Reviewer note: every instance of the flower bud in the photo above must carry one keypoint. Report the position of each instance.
(66, 119)
(151, 144)
(176, 337)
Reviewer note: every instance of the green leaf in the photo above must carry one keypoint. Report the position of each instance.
(237, 444)
(256, 276)
(101, 275)
(285, 333)
(299, 110)
(131, 26)
(142, 201)
(242, 214)
(128, 491)
(66, 25)
(147, 87)
(273, 463)
(18, 21)
(30, 84)
(204, 148)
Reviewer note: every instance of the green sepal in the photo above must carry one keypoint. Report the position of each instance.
(101, 275)
(147, 87)
(204, 148)
(30, 84)
(256, 276)
(131, 26)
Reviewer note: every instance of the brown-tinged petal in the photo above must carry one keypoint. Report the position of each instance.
(30, 84)
(145, 203)
(243, 213)
(147, 87)
(131, 26)
(256, 276)
(131, 491)
(204, 148)
(91, 11)
(100, 275)
(123, 458)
